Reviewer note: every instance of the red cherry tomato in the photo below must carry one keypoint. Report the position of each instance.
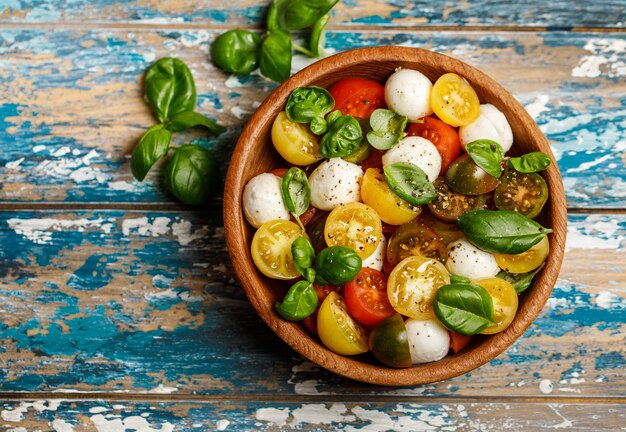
(358, 97)
(322, 292)
(366, 297)
(280, 172)
(458, 341)
(374, 160)
(442, 135)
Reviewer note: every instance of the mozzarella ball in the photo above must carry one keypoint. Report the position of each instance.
(407, 92)
(428, 340)
(335, 182)
(465, 259)
(263, 201)
(418, 151)
(491, 124)
(376, 259)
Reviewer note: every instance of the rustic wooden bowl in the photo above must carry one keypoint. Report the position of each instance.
(254, 154)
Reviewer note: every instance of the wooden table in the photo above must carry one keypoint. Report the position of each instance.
(119, 308)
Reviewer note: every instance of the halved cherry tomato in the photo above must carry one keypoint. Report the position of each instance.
(525, 261)
(467, 178)
(271, 248)
(354, 225)
(446, 232)
(450, 205)
(442, 135)
(389, 343)
(415, 238)
(294, 141)
(358, 97)
(454, 101)
(366, 297)
(521, 192)
(322, 292)
(337, 330)
(505, 302)
(374, 160)
(390, 207)
(458, 341)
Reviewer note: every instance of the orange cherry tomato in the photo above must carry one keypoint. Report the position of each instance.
(358, 97)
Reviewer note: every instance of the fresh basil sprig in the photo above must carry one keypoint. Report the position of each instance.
(152, 146)
(343, 137)
(337, 265)
(301, 14)
(191, 174)
(304, 257)
(169, 88)
(318, 36)
(521, 281)
(310, 105)
(488, 155)
(501, 231)
(299, 302)
(530, 162)
(464, 308)
(296, 192)
(237, 51)
(410, 183)
(387, 128)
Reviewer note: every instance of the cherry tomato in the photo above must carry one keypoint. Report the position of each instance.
(315, 229)
(442, 135)
(521, 192)
(374, 160)
(446, 232)
(294, 141)
(413, 284)
(390, 207)
(322, 292)
(279, 172)
(366, 297)
(308, 215)
(467, 178)
(525, 261)
(354, 225)
(389, 343)
(358, 97)
(450, 205)
(504, 302)
(454, 101)
(415, 238)
(271, 249)
(337, 330)
(458, 341)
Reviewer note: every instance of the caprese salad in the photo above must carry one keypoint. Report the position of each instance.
(402, 224)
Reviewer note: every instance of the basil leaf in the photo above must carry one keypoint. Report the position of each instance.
(522, 281)
(387, 129)
(188, 119)
(192, 175)
(296, 191)
(342, 139)
(169, 88)
(410, 183)
(300, 14)
(530, 162)
(454, 279)
(275, 60)
(464, 308)
(152, 146)
(310, 105)
(501, 231)
(299, 302)
(303, 255)
(337, 265)
(318, 36)
(237, 51)
(333, 116)
(272, 18)
(488, 155)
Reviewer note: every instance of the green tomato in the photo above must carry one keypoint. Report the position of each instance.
(465, 177)
(390, 344)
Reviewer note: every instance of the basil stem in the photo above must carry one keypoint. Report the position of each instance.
(501, 231)
(464, 308)
(488, 155)
(342, 139)
(152, 146)
(296, 192)
(169, 88)
(237, 51)
(530, 162)
(522, 281)
(310, 105)
(192, 175)
(303, 257)
(387, 129)
(299, 302)
(337, 265)
(188, 119)
(410, 183)
(275, 60)
(301, 14)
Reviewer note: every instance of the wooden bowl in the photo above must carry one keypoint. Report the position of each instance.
(255, 154)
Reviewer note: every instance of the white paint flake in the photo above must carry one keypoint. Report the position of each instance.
(608, 300)
(605, 59)
(135, 423)
(14, 165)
(565, 424)
(594, 232)
(221, 425)
(143, 227)
(182, 232)
(276, 416)
(17, 414)
(161, 389)
(586, 165)
(546, 386)
(98, 410)
(39, 148)
(62, 426)
(61, 152)
(40, 230)
(77, 169)
(125, 186)
(239, 112)
(538, 106)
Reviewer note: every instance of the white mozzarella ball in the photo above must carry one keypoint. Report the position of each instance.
(428, 340)
(418, 151)
(491, 124)
(335, 182)
(465, 259)
(263, 201)
(407, 92)
(376, 259)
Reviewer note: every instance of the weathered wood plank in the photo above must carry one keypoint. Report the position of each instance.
(68, 416)
(146, 302)
(71, 108)
(392, 13)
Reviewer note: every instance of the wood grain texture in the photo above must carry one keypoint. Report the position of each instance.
(110, 301)
(388, 13)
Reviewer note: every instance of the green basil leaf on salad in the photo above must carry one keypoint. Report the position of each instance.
(299, 302)
(237, 51)
(521, 281)
(337, 265)
(275, 60)
(303, 256)
(464, 308)
(501, 231)
(530, 162)
(318, 36)
(342, 139)
(152, 146)
(301, 14)
(488, 155)
(387, 129)
(455, 279)
(410, 183)
(189, 119)
(310, 105)
(334, 115)
(192, 175)
(296, 192)
(169, 88)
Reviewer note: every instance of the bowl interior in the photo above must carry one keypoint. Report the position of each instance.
(254, 154)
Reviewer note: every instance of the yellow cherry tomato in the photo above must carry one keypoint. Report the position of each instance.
(525, 261)
(337, 330)
(294, 141)
(390, 207)
(505, 302)
(412, 286)
(454, 100)
(354, 225)
(271, 248)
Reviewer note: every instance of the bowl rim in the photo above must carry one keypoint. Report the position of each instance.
(292, 333)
